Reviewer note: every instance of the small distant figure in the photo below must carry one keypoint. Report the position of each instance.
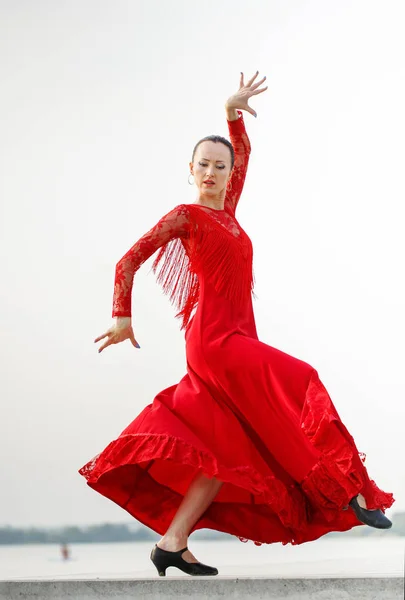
(64, 549)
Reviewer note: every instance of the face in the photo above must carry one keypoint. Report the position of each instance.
(212, 163)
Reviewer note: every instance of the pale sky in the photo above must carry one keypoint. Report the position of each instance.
(101, 105)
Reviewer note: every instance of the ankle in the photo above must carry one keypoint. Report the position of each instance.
(362, 501)
(172, 543)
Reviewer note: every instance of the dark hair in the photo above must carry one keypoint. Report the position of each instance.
(216, 139)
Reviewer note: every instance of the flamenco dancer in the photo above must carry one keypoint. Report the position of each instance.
(249, 441)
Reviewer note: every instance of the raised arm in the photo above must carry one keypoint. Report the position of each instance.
(241, 145)
(239, 138)
(172, 225)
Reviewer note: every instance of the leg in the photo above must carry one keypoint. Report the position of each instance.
(199, 496)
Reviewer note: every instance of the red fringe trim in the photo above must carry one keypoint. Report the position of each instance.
(227, 264)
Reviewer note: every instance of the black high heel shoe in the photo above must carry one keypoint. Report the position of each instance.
(163, 559)
(373, 518)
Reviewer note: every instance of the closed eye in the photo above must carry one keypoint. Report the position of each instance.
(205, 165)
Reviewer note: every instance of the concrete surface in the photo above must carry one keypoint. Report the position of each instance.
(203, 588)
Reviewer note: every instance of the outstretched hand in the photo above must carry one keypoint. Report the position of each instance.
(239, 100)
(120, 331)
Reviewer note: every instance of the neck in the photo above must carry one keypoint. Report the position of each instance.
(213, 201)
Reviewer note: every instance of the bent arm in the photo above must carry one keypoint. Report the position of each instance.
(172, 225)
(241, 145)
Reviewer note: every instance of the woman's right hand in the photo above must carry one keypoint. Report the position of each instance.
(239, 100)
(120, 331)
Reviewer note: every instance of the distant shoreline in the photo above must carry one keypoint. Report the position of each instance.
(136, 532)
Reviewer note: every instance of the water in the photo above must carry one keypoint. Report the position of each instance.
(328, 557)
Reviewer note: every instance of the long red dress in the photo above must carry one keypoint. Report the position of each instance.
(253, 416)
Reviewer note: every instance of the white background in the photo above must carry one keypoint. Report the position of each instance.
(101, 104)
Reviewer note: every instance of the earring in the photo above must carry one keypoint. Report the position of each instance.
(229, 185)
(190, 182)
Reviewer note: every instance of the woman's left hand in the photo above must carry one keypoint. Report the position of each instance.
(240, 99)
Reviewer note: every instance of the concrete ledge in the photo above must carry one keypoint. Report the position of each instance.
(203, 588)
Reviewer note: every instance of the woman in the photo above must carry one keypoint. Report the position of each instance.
(249, 441)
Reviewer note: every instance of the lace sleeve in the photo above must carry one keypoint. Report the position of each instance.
(172, 225)
(241, 146)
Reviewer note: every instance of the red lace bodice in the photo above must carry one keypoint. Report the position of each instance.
(183, 227)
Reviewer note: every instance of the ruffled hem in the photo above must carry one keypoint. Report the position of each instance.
(286, 502)
(326, 490)
(339, 475)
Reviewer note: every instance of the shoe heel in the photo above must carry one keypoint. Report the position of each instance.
(161, 565)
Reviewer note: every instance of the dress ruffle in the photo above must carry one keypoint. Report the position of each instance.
(338, 476)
